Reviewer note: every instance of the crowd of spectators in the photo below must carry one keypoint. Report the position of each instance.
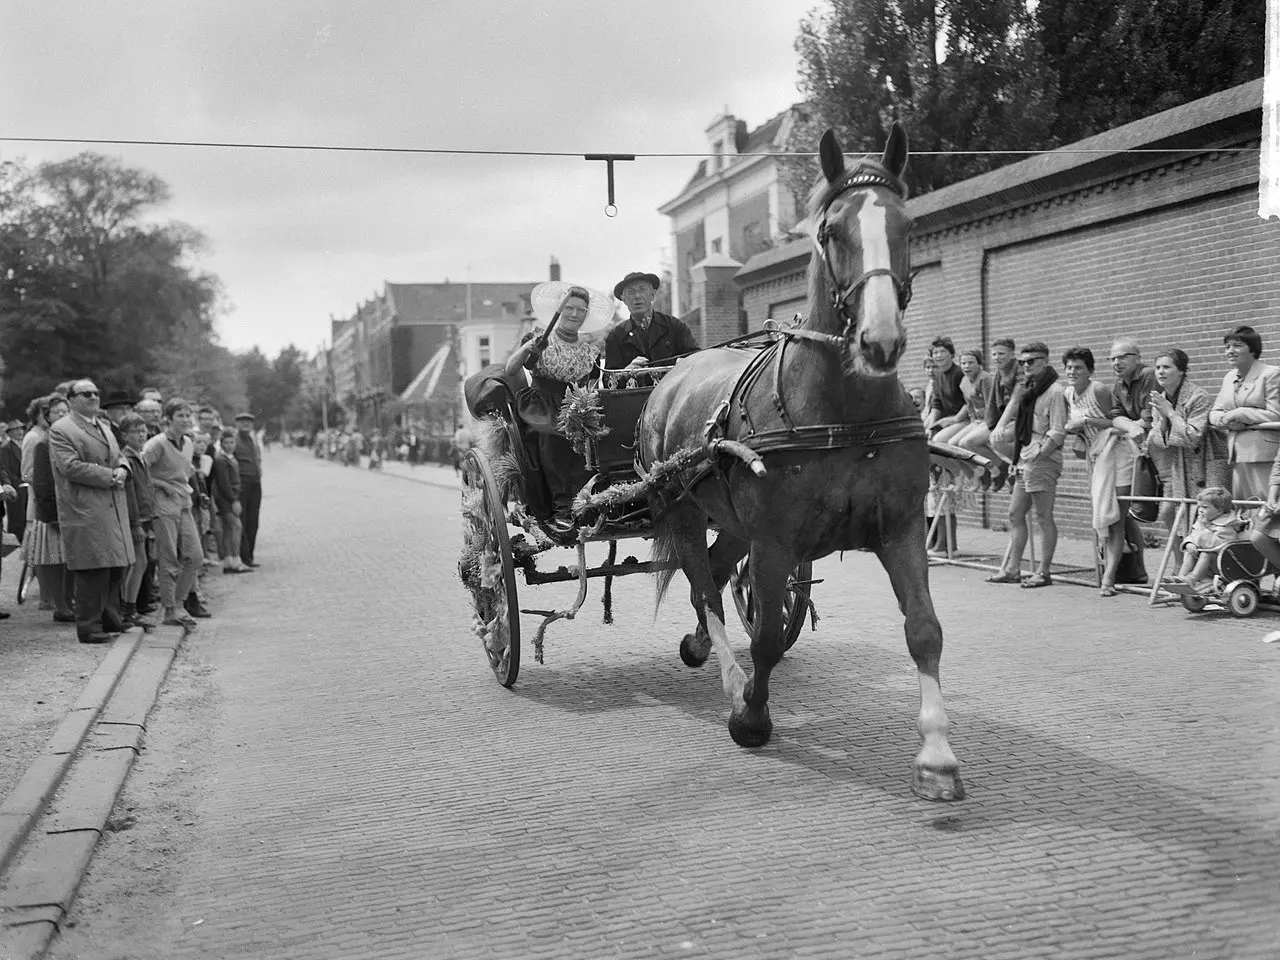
(404, 445)
(1151, 420)
(121, 504)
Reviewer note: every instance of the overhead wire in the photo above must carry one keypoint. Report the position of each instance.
(461, 152)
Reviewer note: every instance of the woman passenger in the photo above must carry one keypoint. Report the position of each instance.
(555, 361)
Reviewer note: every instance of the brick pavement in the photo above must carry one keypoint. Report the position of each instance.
(370, 790)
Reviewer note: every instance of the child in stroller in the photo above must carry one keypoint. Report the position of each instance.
(1216, 525)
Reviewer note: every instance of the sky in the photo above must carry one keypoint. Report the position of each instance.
(297, 237)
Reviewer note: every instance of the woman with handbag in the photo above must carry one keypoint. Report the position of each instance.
(1189, 455)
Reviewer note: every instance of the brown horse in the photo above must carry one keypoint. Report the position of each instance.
(845, 459)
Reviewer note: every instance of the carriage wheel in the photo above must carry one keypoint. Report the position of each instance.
(795, 607)
(487, 569)
(24, 582)
(1194, 602)
(1242, 599)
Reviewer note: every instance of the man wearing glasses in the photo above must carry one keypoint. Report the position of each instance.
(1131, 416)
(1037, 411)
(89, 474)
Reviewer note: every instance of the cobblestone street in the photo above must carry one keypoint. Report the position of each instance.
(333, 772)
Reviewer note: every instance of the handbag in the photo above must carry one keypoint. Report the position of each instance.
(1146, 483)
(1080, 447)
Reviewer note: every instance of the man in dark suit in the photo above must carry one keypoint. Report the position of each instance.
(249, 460)
(648, 336)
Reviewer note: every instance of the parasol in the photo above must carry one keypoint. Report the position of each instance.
(602, 313)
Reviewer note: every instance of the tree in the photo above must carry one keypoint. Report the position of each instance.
(88, 288)
(971, 75)
(272, 385)
(959, 74)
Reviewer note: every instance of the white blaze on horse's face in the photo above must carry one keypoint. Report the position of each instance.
(874, 220)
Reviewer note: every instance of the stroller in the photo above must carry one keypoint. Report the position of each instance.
(1238, 574)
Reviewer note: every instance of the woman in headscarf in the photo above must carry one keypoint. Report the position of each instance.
(556, 359)
(1189, 454)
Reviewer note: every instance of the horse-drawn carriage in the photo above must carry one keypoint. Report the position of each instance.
(504, 536)
(797, 447)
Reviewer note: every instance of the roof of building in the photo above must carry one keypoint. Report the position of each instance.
(1225, 118)
(447, 302)
(763, 139)
(424, 385)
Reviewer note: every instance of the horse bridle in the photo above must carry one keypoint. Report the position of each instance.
(841, 296)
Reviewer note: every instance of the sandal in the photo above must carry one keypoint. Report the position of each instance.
(1107, 590)
(1004, 578)
(1037, 580)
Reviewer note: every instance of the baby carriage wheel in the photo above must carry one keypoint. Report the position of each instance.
(1242, 598)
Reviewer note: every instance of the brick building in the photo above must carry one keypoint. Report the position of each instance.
(735, 203)
(1076, 248)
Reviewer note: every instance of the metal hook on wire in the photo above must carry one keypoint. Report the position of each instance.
(611, 209)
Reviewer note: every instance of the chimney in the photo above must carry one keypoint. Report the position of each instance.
(555, 269)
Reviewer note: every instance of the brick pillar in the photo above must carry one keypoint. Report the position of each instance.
(717, 299)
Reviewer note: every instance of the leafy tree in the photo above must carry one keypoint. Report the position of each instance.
(959, 74)
(969, 75)
(89, 288)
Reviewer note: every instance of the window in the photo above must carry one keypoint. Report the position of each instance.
(717, 162)
(716, 245)
(484, 352)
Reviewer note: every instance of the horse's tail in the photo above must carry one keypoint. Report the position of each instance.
(665, 556)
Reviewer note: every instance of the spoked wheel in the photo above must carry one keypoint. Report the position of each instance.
(795, 607)
(487, 569)
(24, 582)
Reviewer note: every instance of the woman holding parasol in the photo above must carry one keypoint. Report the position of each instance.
(563, 351)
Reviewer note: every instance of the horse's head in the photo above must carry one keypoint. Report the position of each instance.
(861, 237)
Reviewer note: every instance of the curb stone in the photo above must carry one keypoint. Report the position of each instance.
(38, 892)
(29, 798)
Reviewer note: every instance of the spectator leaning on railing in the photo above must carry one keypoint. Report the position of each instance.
(1250, 395)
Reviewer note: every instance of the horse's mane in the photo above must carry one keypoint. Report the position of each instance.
(820, 197)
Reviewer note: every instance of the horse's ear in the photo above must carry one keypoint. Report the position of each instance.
(832, 156)
(895, 150)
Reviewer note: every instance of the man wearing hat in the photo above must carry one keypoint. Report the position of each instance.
(648, 336)
(249, 460)
(117, 405)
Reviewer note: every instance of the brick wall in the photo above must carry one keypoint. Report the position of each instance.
(718, 300)
(1171, 253)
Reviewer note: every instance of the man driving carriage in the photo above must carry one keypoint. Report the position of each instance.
(647, 336)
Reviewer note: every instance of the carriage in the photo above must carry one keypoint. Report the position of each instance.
(504, 539)
(679, 452)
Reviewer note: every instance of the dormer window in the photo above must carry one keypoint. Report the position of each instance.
(717, 161)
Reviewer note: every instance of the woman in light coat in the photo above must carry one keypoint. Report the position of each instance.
(1250, 396)
(1188, 453)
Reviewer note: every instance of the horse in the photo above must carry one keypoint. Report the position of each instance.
(832, 454)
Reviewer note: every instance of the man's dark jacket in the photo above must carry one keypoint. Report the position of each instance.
(665, 338)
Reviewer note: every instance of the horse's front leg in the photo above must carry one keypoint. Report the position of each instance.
(770, 567)
(724, 554)
(687, 525)
(937, 771)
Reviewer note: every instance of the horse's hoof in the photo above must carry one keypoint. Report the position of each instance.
(941, 785)
(687, 654)
(750, 735)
